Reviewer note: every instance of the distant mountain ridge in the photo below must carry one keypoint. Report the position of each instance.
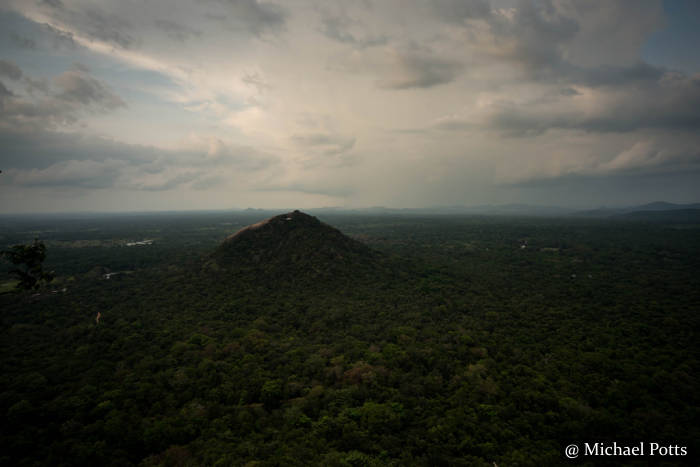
(649, 208)
(516, 209)
(481, 210)
(665, 206)
(675, 216)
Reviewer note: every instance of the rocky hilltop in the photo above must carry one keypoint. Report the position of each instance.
(293, 243)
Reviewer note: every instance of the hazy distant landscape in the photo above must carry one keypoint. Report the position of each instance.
(453, 340)
(349, 233)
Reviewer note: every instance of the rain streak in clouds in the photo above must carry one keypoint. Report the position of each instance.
(235, 103)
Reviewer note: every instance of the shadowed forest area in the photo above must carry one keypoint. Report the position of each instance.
(435, 340)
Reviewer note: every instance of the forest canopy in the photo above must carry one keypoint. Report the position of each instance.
(458, 341)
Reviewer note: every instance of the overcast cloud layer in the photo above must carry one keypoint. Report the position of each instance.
(210, 104)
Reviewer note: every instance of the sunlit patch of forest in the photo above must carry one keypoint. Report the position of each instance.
(465, 341)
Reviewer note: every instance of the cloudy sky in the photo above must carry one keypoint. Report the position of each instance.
(211, 104)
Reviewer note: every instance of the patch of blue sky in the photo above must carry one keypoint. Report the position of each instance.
(133, 84)
(33, 48)
(149, 119)
(146, 78)
(43, 53)
(677, 45)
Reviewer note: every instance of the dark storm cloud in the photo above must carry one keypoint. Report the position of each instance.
(28, 34)
(105, 27)
(458, 10)
(518, 124)
(36, 86)
(338, 28)
(637, 73)
(31, 148)
(94, 23)
(19, 113)
(77, 86)
(539, 37)
(46, 158)
(540, 31)
(251, 15)
(4, 92)
(532, 35)
(419, 69)
(569, 92)
(175, 30)
(10, 70)
(671, 103)
(73, 93)
(87, 174)
(53, 3)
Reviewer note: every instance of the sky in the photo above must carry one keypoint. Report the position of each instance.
(219, 104)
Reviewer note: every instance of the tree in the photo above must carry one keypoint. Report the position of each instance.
(271, 394)
(28, 259)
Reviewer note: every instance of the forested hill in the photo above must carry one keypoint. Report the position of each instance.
(451, 341)
(294, 246)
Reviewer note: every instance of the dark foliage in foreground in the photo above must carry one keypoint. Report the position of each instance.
(464, 342)
(27, 261)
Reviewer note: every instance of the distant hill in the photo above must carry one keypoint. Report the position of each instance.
(679, 216)
(599, 212)
(482, 210)
(294, 245)
(664, 206)
(657, 206)
(518, 210)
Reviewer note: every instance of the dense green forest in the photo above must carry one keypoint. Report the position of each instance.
(457, 340)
